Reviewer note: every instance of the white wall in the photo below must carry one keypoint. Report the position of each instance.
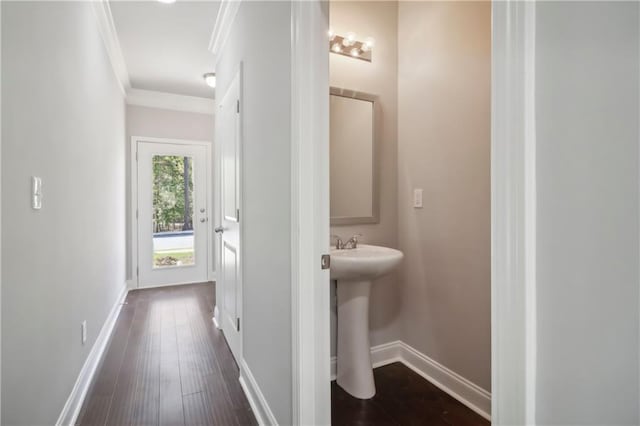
(161, 123)
(261, 39)
(63, 120)
(379, 77)
(444, 121)
(587, 71)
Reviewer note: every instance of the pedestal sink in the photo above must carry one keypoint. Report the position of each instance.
(354, 269)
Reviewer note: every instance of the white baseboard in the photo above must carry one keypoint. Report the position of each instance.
(384, 354)
(468, 393)
(72, 407)
(258, 403)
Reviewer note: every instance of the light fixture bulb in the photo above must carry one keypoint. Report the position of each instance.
(368, 44)
(349, 39)
(331, 34)
(210, 79)
(336, 47)
(355, 52)
(167, 1)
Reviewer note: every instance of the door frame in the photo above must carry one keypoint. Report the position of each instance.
(310, 308)
(134, 203)
(513, 221)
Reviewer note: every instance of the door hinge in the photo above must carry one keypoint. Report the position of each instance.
(137, 271)
(238, 215)
(238, 324)
(136, 155)
(238, 106)
(136, 213)
(325, 261)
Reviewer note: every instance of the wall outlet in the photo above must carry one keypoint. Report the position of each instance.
(83, 327)
(417, 198)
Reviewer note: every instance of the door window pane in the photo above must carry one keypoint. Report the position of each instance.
(173, 233)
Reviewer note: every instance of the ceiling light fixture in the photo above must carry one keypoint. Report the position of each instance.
(210, 79)
(167, 1)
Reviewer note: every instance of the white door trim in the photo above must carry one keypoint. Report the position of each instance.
(310, 213)
(513, 213)
(134, 201)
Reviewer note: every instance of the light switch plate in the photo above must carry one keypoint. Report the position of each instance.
(36, 193)
(83, 327)
(417, 198)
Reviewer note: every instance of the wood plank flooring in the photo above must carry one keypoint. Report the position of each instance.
(166, 364)
(402, 398)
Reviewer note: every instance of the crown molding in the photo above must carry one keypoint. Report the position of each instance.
(170, 101)
(109, 35)
(224, 21)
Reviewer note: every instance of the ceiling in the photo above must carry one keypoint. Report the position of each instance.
(165, 46)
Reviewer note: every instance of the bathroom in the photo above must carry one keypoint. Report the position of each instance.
(414, 100)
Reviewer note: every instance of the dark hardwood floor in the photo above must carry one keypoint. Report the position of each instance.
(402, 398)
(166, 364)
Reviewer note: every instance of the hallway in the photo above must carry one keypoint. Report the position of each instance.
(167, 364)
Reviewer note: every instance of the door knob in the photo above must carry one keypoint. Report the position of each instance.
(218, 230)
(203, 220)
(201, 210)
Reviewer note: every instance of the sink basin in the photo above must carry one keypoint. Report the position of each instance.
(354, 269)
(363, 263)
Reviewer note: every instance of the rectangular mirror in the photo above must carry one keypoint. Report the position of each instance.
(353, 148)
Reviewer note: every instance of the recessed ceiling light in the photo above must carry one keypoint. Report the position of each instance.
(167, 1)
(210, 79)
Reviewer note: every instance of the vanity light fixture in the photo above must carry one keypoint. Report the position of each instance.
(210, 79)
(167, 1)
(348, 45)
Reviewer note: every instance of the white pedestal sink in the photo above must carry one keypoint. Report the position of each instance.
(354, 269)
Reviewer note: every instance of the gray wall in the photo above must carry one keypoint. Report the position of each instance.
(260, 39)
(379, 77)
(587, 163)
(161, 123)
(63, 120)
(444, 86)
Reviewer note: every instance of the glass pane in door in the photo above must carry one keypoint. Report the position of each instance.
(173, 233)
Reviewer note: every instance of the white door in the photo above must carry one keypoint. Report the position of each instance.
(229, 272)
(173, 212)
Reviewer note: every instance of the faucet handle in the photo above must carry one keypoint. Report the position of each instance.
(339, 242)
(352, 242)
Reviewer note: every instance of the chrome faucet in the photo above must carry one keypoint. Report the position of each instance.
(339, 242)
(351, 243)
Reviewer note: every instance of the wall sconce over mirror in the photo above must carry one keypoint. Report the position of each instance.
(348, 45)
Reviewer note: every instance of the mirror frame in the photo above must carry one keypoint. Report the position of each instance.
(375, 191)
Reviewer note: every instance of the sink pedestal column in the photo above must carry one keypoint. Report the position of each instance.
(355, 372)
